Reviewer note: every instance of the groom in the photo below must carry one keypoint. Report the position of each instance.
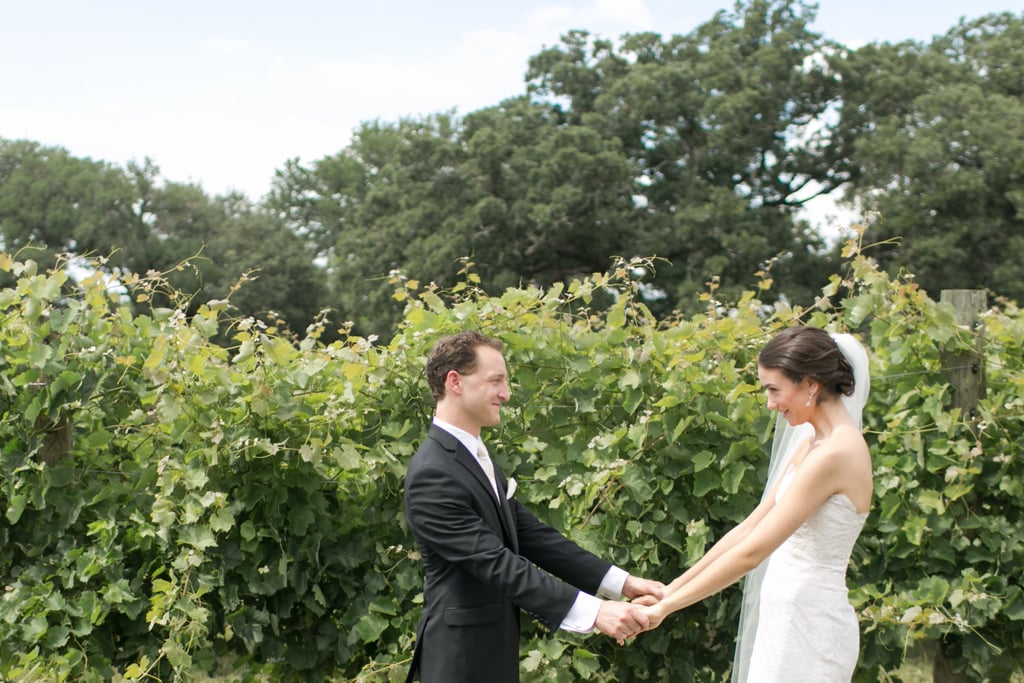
(485, 556)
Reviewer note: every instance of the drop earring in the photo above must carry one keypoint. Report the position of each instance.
(810, 397)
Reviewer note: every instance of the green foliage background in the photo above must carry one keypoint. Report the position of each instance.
(173, 507)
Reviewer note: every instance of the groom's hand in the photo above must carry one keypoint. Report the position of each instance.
(620, 620)
(636, 587)
(655, 615)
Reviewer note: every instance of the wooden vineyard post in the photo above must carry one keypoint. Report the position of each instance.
(966, 369)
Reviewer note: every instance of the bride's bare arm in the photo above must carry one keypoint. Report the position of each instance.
(756, 537)
(725, 543)
(735, 535)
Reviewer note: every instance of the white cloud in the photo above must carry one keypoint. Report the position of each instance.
(548, 17)
(227, 148)
(628, 13)
(480, 68)
(224, 45)
(597, 17)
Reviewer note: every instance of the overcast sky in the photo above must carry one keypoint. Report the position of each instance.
(221, 93)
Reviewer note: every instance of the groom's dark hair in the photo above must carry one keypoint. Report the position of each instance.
(799, 352)
(458, 353)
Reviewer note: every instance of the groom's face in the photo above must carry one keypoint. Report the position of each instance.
(484, 389)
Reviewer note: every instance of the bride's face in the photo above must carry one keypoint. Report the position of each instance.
(785, 395)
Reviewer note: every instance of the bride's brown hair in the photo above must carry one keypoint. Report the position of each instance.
(810, 352)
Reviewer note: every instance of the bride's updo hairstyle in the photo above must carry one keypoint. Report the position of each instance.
(799, 352)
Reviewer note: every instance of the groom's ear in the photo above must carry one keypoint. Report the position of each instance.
(453, 383)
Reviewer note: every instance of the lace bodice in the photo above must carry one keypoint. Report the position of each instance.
(825, 541)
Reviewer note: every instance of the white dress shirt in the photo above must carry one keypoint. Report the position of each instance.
(583, 614)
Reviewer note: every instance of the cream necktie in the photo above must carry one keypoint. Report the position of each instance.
(485, 461)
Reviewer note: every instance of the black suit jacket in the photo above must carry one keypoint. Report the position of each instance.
(483, 562)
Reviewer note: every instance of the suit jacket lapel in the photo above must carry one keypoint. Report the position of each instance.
(466, 460)
(505, 509)
(473, 467)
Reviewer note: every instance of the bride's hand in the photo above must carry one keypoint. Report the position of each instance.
(645, 600)
(656, 614)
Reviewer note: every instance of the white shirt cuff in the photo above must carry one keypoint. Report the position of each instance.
(612, 583)
(583, 614)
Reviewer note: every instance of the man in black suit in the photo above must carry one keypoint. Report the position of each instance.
(486, 556)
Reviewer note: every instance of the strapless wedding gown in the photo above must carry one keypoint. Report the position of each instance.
(807, 632)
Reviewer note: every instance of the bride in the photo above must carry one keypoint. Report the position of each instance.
(796, 623)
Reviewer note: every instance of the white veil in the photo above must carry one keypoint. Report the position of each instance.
(784, 441)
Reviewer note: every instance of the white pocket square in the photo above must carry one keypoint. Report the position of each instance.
(511, 489)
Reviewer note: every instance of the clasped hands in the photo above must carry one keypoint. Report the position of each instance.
(624, 620)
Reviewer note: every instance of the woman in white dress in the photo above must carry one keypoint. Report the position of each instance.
(797, 623)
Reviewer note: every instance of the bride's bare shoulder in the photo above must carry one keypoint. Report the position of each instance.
(846, 443)
(850, 436)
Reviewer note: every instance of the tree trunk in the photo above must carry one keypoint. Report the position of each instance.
(58, 438)
(942, 668)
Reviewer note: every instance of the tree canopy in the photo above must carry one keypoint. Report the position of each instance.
(680, 148)
(52, 204)
(936, 136)
(700, 150)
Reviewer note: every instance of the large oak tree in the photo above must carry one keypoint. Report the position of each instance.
(699, 149)
(936, 134)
